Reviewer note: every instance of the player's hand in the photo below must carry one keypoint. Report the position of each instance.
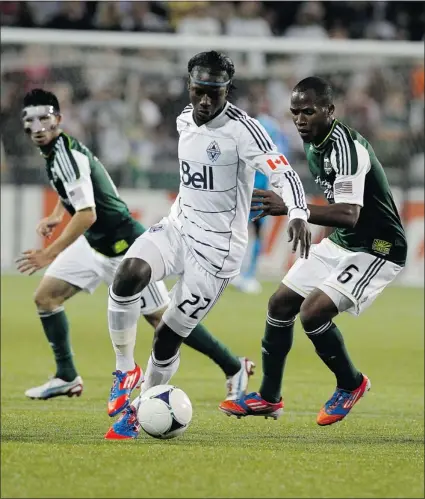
(32, 260)
(46, 225)
(299, 233)
(269, 203)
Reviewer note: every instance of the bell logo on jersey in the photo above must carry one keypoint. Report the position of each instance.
(197, 180)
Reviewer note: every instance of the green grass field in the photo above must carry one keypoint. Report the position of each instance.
(55, 448)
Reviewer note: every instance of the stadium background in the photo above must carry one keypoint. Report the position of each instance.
(123, 101)
(119, 70)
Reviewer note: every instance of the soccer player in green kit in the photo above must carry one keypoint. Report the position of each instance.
(87, 253)
(345, 272)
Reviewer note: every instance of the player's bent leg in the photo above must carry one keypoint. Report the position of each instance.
(162, 365)
(193, 296)
(236, 369)
(141, 269)
(132, 276)
(283, 307)
(49, 298)
(165, 357)
(276, 344)
(316, 316)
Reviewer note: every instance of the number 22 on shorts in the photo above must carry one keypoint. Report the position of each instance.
(195, 301)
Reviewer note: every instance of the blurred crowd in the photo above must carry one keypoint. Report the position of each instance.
(352, 19)
(123, 103)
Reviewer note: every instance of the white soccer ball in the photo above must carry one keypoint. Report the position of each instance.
(164, 411)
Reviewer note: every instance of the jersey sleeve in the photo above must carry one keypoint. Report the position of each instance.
(258, 151)
(181, 122)
(351, 164)
(73, 168)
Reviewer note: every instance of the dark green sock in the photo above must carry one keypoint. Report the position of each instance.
(331, 349)
(56, 329)
(202, 341)
(277, 343)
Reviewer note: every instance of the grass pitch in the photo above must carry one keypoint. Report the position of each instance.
(55, 448)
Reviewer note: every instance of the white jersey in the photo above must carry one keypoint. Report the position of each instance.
(217, 168)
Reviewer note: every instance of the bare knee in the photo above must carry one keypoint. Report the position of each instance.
(46, 300)
(284, 304)
(132, 276)
(316, 310)
(52, 293)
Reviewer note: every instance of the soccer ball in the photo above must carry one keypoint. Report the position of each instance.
(164, 411)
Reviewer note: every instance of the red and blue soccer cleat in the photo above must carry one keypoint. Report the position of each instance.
(341, 403)
(252, 404)
(127, 427)
(124, 384)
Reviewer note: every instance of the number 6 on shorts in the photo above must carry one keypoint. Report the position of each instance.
(346, 275)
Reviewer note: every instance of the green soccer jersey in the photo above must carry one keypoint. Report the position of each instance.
(81, 181)
(346, 168)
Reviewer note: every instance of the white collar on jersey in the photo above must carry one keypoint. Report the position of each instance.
(215, 122)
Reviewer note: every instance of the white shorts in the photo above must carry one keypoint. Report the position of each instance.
(165, 249)
(82, 266)
(352, 280)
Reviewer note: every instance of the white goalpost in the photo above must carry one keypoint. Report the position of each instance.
(168, 41)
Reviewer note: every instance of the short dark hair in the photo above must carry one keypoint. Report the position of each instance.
(214, 61)
(40, 97)
(321, 87)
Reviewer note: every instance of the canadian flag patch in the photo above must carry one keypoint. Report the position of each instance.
(281, 160)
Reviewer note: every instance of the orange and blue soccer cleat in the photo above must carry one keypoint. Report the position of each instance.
(341, 403)
(127, 427)
(252, 404)
(124, 384)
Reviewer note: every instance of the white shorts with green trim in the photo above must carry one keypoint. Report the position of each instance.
(196, 291)
(85, 268)
(352, 280)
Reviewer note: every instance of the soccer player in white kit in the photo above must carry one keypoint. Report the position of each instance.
(204, 238)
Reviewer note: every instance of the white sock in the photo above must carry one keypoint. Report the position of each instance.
(159, 372)
(123, 314)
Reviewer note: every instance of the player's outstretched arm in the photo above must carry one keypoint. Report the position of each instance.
(35, 259)
(80, 194)
(339, 215)
(79, 223)
(348, 191)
